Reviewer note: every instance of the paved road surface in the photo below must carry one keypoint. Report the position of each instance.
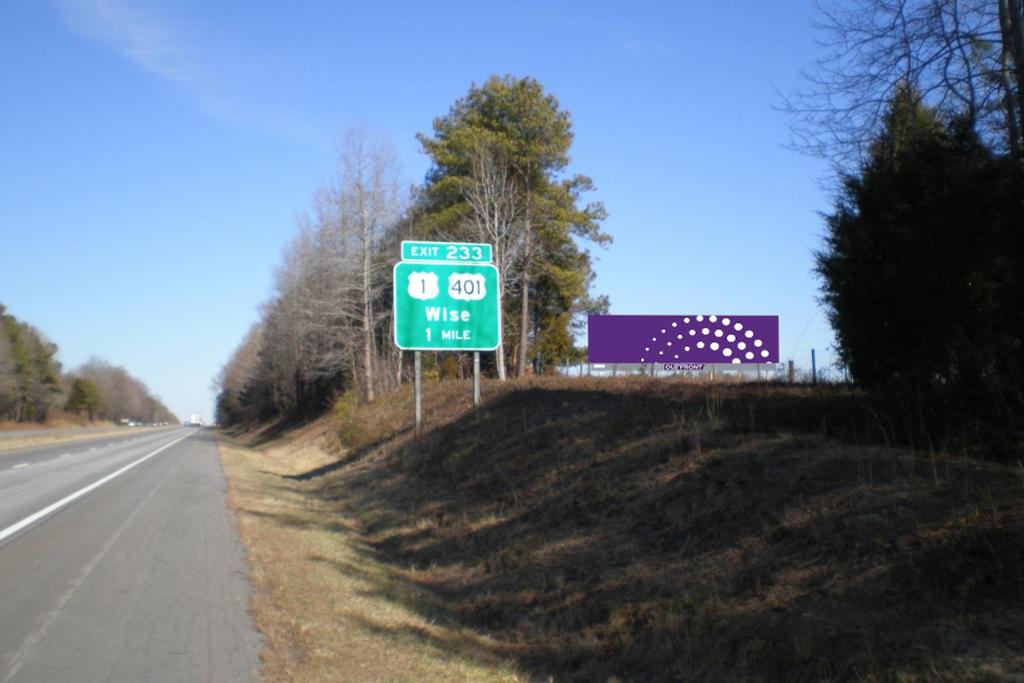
(141, 578)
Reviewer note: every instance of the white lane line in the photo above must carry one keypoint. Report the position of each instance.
(20, 465)
(66, 455)
(53, 507)
(23, 653)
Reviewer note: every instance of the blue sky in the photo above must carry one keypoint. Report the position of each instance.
(154, 156)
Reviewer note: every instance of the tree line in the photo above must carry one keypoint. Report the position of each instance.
(919, 104)
(498, 175)
(33, 384)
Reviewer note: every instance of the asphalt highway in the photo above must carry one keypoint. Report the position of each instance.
(119, 561)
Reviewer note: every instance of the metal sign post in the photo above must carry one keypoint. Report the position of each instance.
(476, 379)
(418, 383)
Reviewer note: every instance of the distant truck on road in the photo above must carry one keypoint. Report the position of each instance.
(194, 420)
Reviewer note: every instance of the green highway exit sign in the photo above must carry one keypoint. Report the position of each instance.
(447, 252)
(446, 306)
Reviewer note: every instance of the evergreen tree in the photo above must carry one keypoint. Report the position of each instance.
(29, 372)
(920, 273)
(84, 397)
(519, 123)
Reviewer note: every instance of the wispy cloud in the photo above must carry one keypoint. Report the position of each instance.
(174, 48)
(137, 33)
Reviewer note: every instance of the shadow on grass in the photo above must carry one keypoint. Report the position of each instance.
(665, 532)
(347, 458)
(259, 436)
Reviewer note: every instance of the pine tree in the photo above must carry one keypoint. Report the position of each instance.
(524, 126)
(84, 397)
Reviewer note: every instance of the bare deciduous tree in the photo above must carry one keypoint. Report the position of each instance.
(367, 199)
(122, 396)
(238, 375)
(966, 58)
(497, 205)
(327, 326)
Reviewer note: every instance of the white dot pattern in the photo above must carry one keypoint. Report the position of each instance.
(728, 337)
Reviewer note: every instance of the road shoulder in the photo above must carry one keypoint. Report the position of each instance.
(326, 607)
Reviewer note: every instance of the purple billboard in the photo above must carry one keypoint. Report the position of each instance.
(683, 338)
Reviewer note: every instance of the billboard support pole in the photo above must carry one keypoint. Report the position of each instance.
(476, 379)
(418, 383)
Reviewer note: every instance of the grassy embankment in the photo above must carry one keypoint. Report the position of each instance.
(328, 607)
(628, 529)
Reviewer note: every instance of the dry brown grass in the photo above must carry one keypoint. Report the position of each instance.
(31, 440)
(639, 529)
(328, 608)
